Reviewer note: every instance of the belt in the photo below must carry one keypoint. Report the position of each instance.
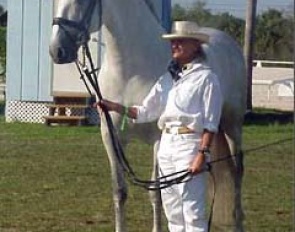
(178, 130)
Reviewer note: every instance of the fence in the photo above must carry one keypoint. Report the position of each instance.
(263, 63)
(273, 85)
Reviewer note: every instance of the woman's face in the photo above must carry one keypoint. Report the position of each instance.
(184, 50)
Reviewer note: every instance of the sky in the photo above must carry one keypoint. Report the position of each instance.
(3, 3)
(234, 7)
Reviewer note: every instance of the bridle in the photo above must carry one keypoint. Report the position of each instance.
(81, 27)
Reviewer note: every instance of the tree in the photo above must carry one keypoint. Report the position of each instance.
(274, 36)
(200, 14)
(1, 9)
(3, 47)
(2, 41)
(231, 25)
(178, 13)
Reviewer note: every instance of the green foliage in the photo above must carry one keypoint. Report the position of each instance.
(231, 25)
(274, 34)
(1, 9)
(3, 46)
(200, 14)
(179, 13)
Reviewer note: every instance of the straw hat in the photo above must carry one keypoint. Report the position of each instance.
(186, 29)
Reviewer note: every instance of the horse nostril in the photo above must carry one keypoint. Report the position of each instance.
(61, 53)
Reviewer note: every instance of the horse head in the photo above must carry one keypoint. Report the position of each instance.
(72, 25)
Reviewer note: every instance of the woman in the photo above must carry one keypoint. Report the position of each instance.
(187, 102)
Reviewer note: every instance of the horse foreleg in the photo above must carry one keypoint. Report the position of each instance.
(119, 198)
(118, 182)
(155, 196)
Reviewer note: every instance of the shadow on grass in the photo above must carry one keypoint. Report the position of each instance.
(257, 116)
(265, 117)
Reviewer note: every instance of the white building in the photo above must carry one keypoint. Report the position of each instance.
(31, 77)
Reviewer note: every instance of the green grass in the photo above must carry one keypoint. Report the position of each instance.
(58, 179)
(268, 188)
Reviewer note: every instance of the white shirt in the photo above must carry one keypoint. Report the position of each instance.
(194, 101)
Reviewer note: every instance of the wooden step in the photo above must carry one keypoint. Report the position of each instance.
(77, 106)
(66, 94)
(69, 120)
(70, 101)
(71, 98)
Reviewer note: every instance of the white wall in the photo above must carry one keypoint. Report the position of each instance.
(28, 63)
(66, 77)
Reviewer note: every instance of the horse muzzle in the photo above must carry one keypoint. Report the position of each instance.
(62, 55)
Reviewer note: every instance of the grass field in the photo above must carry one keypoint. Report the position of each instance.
(58, 178)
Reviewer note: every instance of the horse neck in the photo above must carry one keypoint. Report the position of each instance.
(135, 56)
(130, 28)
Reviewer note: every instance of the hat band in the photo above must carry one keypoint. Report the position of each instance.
(184, 32)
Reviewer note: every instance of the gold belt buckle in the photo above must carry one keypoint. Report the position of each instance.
(185, 130)
(171, 130)
(178, 130)
(174, 130)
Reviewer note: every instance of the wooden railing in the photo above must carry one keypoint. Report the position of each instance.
(260, 63)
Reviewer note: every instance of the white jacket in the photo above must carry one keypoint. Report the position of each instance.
(194, 101)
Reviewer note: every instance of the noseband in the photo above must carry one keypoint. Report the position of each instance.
(81, 27)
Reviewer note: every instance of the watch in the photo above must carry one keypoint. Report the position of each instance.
(204, 150)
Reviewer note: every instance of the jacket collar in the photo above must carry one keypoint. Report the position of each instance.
(192, 66)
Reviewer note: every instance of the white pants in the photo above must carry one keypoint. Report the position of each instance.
(184, 204)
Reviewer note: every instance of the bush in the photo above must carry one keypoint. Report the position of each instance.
(3, 46)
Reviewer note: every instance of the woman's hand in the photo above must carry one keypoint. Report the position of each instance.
(130, 112)
(198, 163)
(109, 106)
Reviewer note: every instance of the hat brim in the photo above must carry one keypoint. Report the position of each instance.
(201, 37)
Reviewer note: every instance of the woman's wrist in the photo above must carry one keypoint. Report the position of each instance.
(120, 109)
(124, 112)
(204, 150)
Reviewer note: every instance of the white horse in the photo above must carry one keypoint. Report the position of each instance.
(135, 57)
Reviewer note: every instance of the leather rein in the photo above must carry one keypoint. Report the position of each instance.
(91, 75)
